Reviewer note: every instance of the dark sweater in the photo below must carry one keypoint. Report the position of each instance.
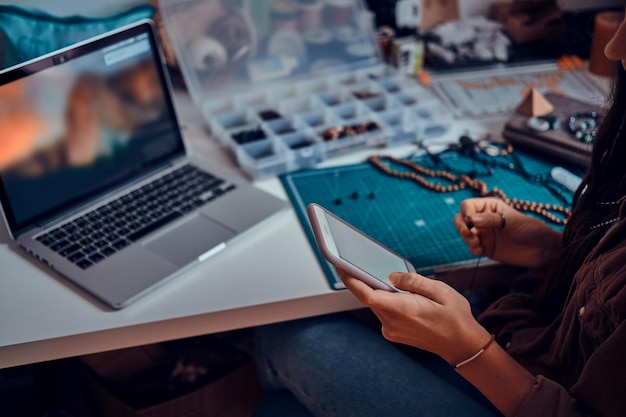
(579, 357)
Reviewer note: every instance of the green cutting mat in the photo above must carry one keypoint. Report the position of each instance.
(408, 218)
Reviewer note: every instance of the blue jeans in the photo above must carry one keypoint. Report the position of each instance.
(339, 366)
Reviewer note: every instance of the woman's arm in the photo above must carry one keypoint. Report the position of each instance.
(434, 317)
(500, 378)
(490, 227)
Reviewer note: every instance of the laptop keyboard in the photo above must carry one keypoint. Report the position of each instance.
(102, 232)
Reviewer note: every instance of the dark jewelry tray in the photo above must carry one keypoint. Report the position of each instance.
(559, 142)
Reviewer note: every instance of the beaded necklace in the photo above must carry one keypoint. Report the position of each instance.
(488, 153)
(462, 181)
(618, 202)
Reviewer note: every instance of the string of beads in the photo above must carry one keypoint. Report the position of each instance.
(462, 181)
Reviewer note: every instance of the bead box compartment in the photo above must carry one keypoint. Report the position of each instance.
(298, 135)
(278, 98)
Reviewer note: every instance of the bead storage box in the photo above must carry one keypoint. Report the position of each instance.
(286, 84)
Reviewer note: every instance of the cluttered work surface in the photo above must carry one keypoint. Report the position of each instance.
(271, 296)
(410, 218)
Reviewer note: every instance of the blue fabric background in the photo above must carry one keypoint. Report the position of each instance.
(27, 34)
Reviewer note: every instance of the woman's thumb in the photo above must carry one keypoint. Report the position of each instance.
(488, 220)
(414, 283)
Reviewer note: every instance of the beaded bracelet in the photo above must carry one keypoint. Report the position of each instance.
(584, 125)
(477, 354)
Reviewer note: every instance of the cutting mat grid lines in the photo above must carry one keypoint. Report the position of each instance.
(406, 217)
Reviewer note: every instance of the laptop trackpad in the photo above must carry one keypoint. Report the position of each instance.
(189, 240)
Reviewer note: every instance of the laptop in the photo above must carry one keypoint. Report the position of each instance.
(95, 181)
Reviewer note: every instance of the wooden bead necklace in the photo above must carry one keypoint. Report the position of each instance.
(462, 181)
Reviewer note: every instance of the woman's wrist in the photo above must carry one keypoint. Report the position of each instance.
(477, 354)
(468, 346)
(500, 378)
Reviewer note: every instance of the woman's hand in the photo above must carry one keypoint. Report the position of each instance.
(490, 227)
(430, 315)
(434, 317)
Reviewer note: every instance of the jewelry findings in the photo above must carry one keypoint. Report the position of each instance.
(491, 149)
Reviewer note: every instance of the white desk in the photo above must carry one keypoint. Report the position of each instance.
(272, 275)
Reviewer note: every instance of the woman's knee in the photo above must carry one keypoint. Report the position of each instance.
(284, 350)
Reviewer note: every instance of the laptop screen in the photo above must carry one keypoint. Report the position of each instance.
(80, 121)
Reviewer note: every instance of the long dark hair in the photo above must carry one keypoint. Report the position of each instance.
(604, 181)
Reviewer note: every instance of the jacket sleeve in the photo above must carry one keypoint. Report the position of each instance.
(600, 390)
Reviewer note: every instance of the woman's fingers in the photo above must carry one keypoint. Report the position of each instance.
(488, 220)
(421, 285)
(468, 232)
(363, 292)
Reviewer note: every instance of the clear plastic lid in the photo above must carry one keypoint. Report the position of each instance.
(225, 47)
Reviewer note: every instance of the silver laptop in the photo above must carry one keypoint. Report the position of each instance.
(95, 181)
